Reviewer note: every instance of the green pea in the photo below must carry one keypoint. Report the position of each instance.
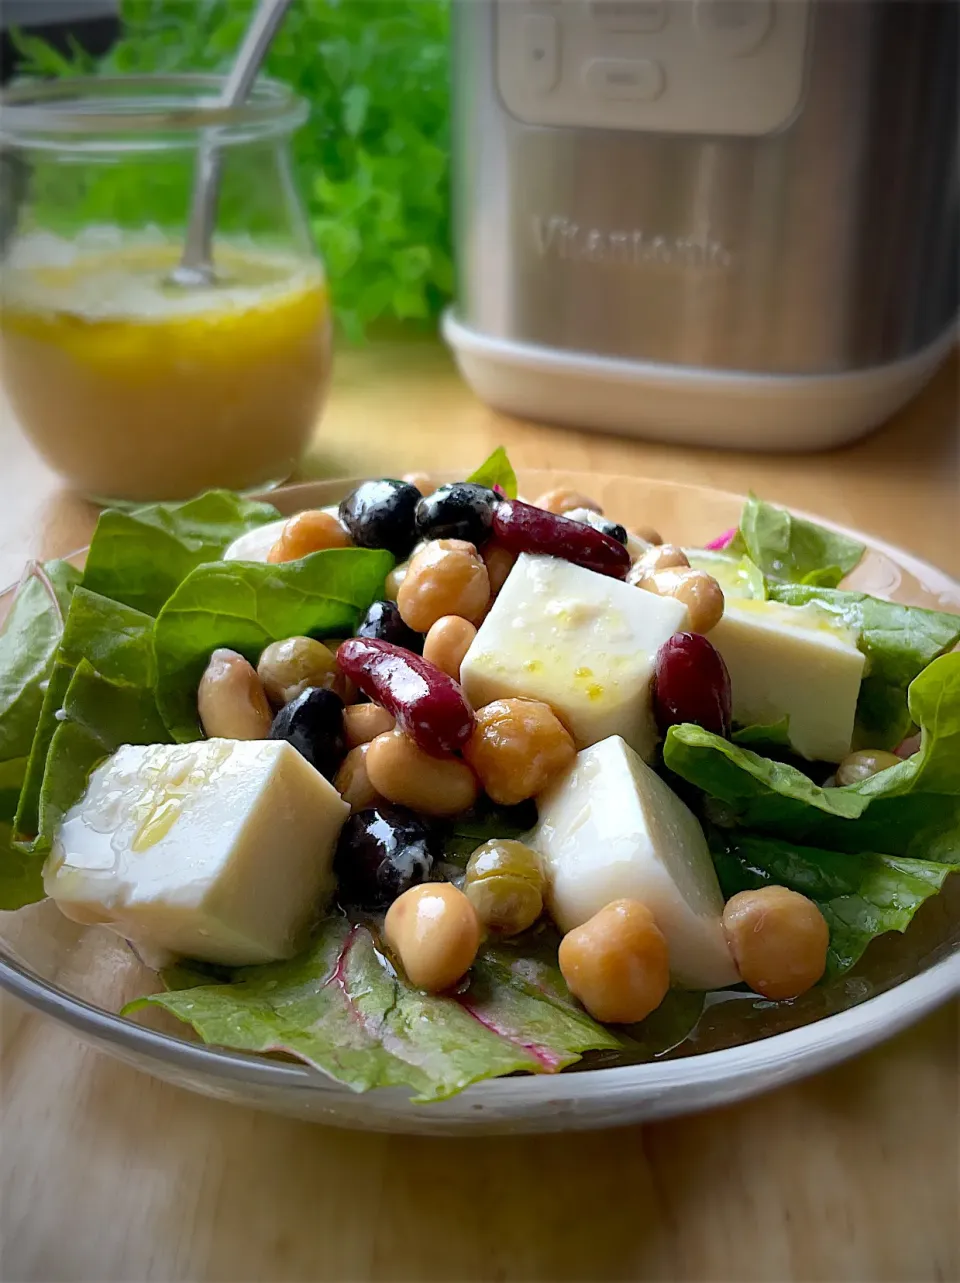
(860, 766)
(504, 883)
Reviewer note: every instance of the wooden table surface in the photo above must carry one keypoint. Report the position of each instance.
(852, 1175)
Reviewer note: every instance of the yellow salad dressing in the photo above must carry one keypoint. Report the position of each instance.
(136, 389)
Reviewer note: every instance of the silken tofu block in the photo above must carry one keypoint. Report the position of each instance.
(220, 850)
(611, 829)
(794, 662)
(583, 643)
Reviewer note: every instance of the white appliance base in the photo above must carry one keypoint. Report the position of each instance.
(687, 405)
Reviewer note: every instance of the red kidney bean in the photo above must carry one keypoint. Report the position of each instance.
(691, 685)
(523, 528)
(429, 706)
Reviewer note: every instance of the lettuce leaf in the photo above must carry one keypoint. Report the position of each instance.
(898, 641)
(28, 643)
(861, 895)
(868, 854)
(342, 1008)
(139, 557)
(791, 548)
(117, 643)
(496, 471)
(772, 736)
(245, 606)
(912, 809)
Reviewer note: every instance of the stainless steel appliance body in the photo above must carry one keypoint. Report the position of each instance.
(726, 221)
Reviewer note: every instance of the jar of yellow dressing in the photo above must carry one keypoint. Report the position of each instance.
(131, 386)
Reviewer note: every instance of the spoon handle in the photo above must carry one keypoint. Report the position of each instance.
(256, 42)
(195, 265)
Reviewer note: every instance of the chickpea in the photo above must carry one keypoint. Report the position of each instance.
(499, 561)
(504, 883)
(447, 642)
(310, 531)
(352, 781)
(364, 722)
(564, 499)
(231, 700)
(288, 667)
(447, 578)
(517, 747)
(647, 533)
(617, 963)
(422, 482)
(860, 766)
(434, 931)
(403, 773)
(778, 939)
(699, 592)
(658, 557)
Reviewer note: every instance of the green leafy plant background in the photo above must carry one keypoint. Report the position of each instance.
(373, 160)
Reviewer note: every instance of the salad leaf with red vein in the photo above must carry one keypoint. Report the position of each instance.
(341, 1007)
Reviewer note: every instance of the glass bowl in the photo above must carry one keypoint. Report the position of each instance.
(81, 976)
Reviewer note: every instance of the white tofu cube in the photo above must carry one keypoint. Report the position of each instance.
(611, 829)
(220, 850)
(583, 643)
(795, 662)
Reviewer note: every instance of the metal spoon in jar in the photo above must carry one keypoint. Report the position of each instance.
(196, 263)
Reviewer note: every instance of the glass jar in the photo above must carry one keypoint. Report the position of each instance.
(131, 385)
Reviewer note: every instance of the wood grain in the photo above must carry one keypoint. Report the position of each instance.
(108, 1175)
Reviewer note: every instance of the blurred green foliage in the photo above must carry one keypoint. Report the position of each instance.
(373, 160)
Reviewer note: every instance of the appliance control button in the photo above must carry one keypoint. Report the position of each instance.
(731, 28)
(632, 80)
(540, 50)
(629, 15)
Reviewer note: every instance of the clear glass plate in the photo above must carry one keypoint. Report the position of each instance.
(83, 975)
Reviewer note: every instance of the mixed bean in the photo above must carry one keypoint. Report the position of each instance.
(382, 715)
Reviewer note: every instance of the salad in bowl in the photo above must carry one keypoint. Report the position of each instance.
(443, 784)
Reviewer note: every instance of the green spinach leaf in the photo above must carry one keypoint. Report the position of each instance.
(117, 642)
(245, 606)
(97, 717)
(791, 548)
(139, 557)
(496, 471)
(28, 643)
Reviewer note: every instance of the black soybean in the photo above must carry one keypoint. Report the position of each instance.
(382, 622)
(382, 852)
(313, 724)
(380, 514)
(462, 510)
